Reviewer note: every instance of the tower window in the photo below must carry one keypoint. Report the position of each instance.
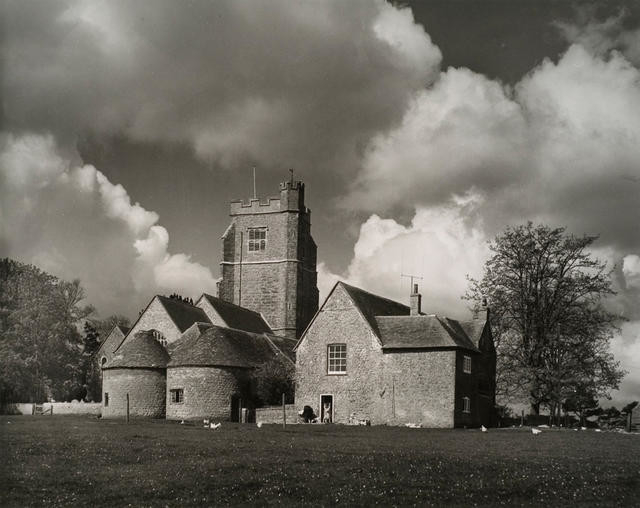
(177, 396)
(257, 239)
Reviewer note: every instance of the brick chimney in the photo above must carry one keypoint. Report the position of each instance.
(483, 311)
(415, 301)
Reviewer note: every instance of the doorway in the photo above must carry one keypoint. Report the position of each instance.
(326, 408)
(236, 405)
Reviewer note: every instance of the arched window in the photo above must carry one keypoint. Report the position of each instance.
(103, 361)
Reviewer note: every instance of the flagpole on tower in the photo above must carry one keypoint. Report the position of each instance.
(254, 182)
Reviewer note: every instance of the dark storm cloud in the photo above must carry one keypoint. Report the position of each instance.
(275, 82)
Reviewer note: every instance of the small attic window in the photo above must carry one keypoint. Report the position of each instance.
(103, 361)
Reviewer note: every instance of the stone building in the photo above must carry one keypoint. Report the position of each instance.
(364, 357)
(210, 371)
(269, 260)
(137, 370)
(209, 351)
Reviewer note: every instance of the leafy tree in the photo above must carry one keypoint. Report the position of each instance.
(272, 379)
(551, 329)
(40, 346)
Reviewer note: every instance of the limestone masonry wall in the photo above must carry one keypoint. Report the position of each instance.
(280, 281)
(418, 387)
(273, 414)
(207, 391)
(146, 389)
(355, 393)
(156, 318)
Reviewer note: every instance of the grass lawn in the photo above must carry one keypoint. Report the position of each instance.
(69, 460)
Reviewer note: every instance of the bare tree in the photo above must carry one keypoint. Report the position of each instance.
(551, 330)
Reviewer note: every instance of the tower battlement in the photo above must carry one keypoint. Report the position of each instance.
(241, 207)
(291, 199)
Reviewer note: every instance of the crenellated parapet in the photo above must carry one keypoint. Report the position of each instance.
(240, 207)
(291, 199)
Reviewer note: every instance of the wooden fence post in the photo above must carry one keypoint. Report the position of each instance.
(284, 414)
(127, 408)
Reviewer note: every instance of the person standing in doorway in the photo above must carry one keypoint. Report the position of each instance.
(327, 413)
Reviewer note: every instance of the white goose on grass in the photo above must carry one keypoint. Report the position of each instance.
(535, 432)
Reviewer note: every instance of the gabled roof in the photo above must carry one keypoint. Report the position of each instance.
(371, 305)
(238, 317)
(113, 339)
(284, 345)
(422, 332)
(474, 329)
(223, 347)
(183, 314)
(140, 351)
(191, 333)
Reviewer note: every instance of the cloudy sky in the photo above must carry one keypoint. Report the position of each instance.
(420, 130)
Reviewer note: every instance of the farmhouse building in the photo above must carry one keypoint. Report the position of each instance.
(364, 357)
(360, 357)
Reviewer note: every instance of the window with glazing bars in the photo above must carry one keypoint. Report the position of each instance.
(337, 359)
(257, 239)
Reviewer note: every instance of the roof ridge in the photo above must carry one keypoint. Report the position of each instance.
(232, 304)
(371, 294)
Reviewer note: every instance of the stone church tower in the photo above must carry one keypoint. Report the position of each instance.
(269, 260)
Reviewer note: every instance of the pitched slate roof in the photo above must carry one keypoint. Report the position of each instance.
(417, 332)
(284, 345)
(371, 305)
(191, 333)
(238, 317)
(141, 350)
(474, 329)
(183, 314)
(221, 346)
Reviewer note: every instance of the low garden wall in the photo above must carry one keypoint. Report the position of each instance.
(59, 408)
(273, 414)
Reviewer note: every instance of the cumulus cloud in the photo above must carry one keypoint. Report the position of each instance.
(544, 150)
(71, 220)
(603, 35)
(304, 84)
(442, 245)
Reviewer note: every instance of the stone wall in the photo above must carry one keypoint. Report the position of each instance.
(467, 386)
(273, 414)
(59, 408)
(357, 392)
(208, 391)
(418, 387)
(279, 282)
(155, 317)
(146, 389)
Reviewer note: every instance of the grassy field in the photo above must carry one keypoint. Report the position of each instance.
(68, 460)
